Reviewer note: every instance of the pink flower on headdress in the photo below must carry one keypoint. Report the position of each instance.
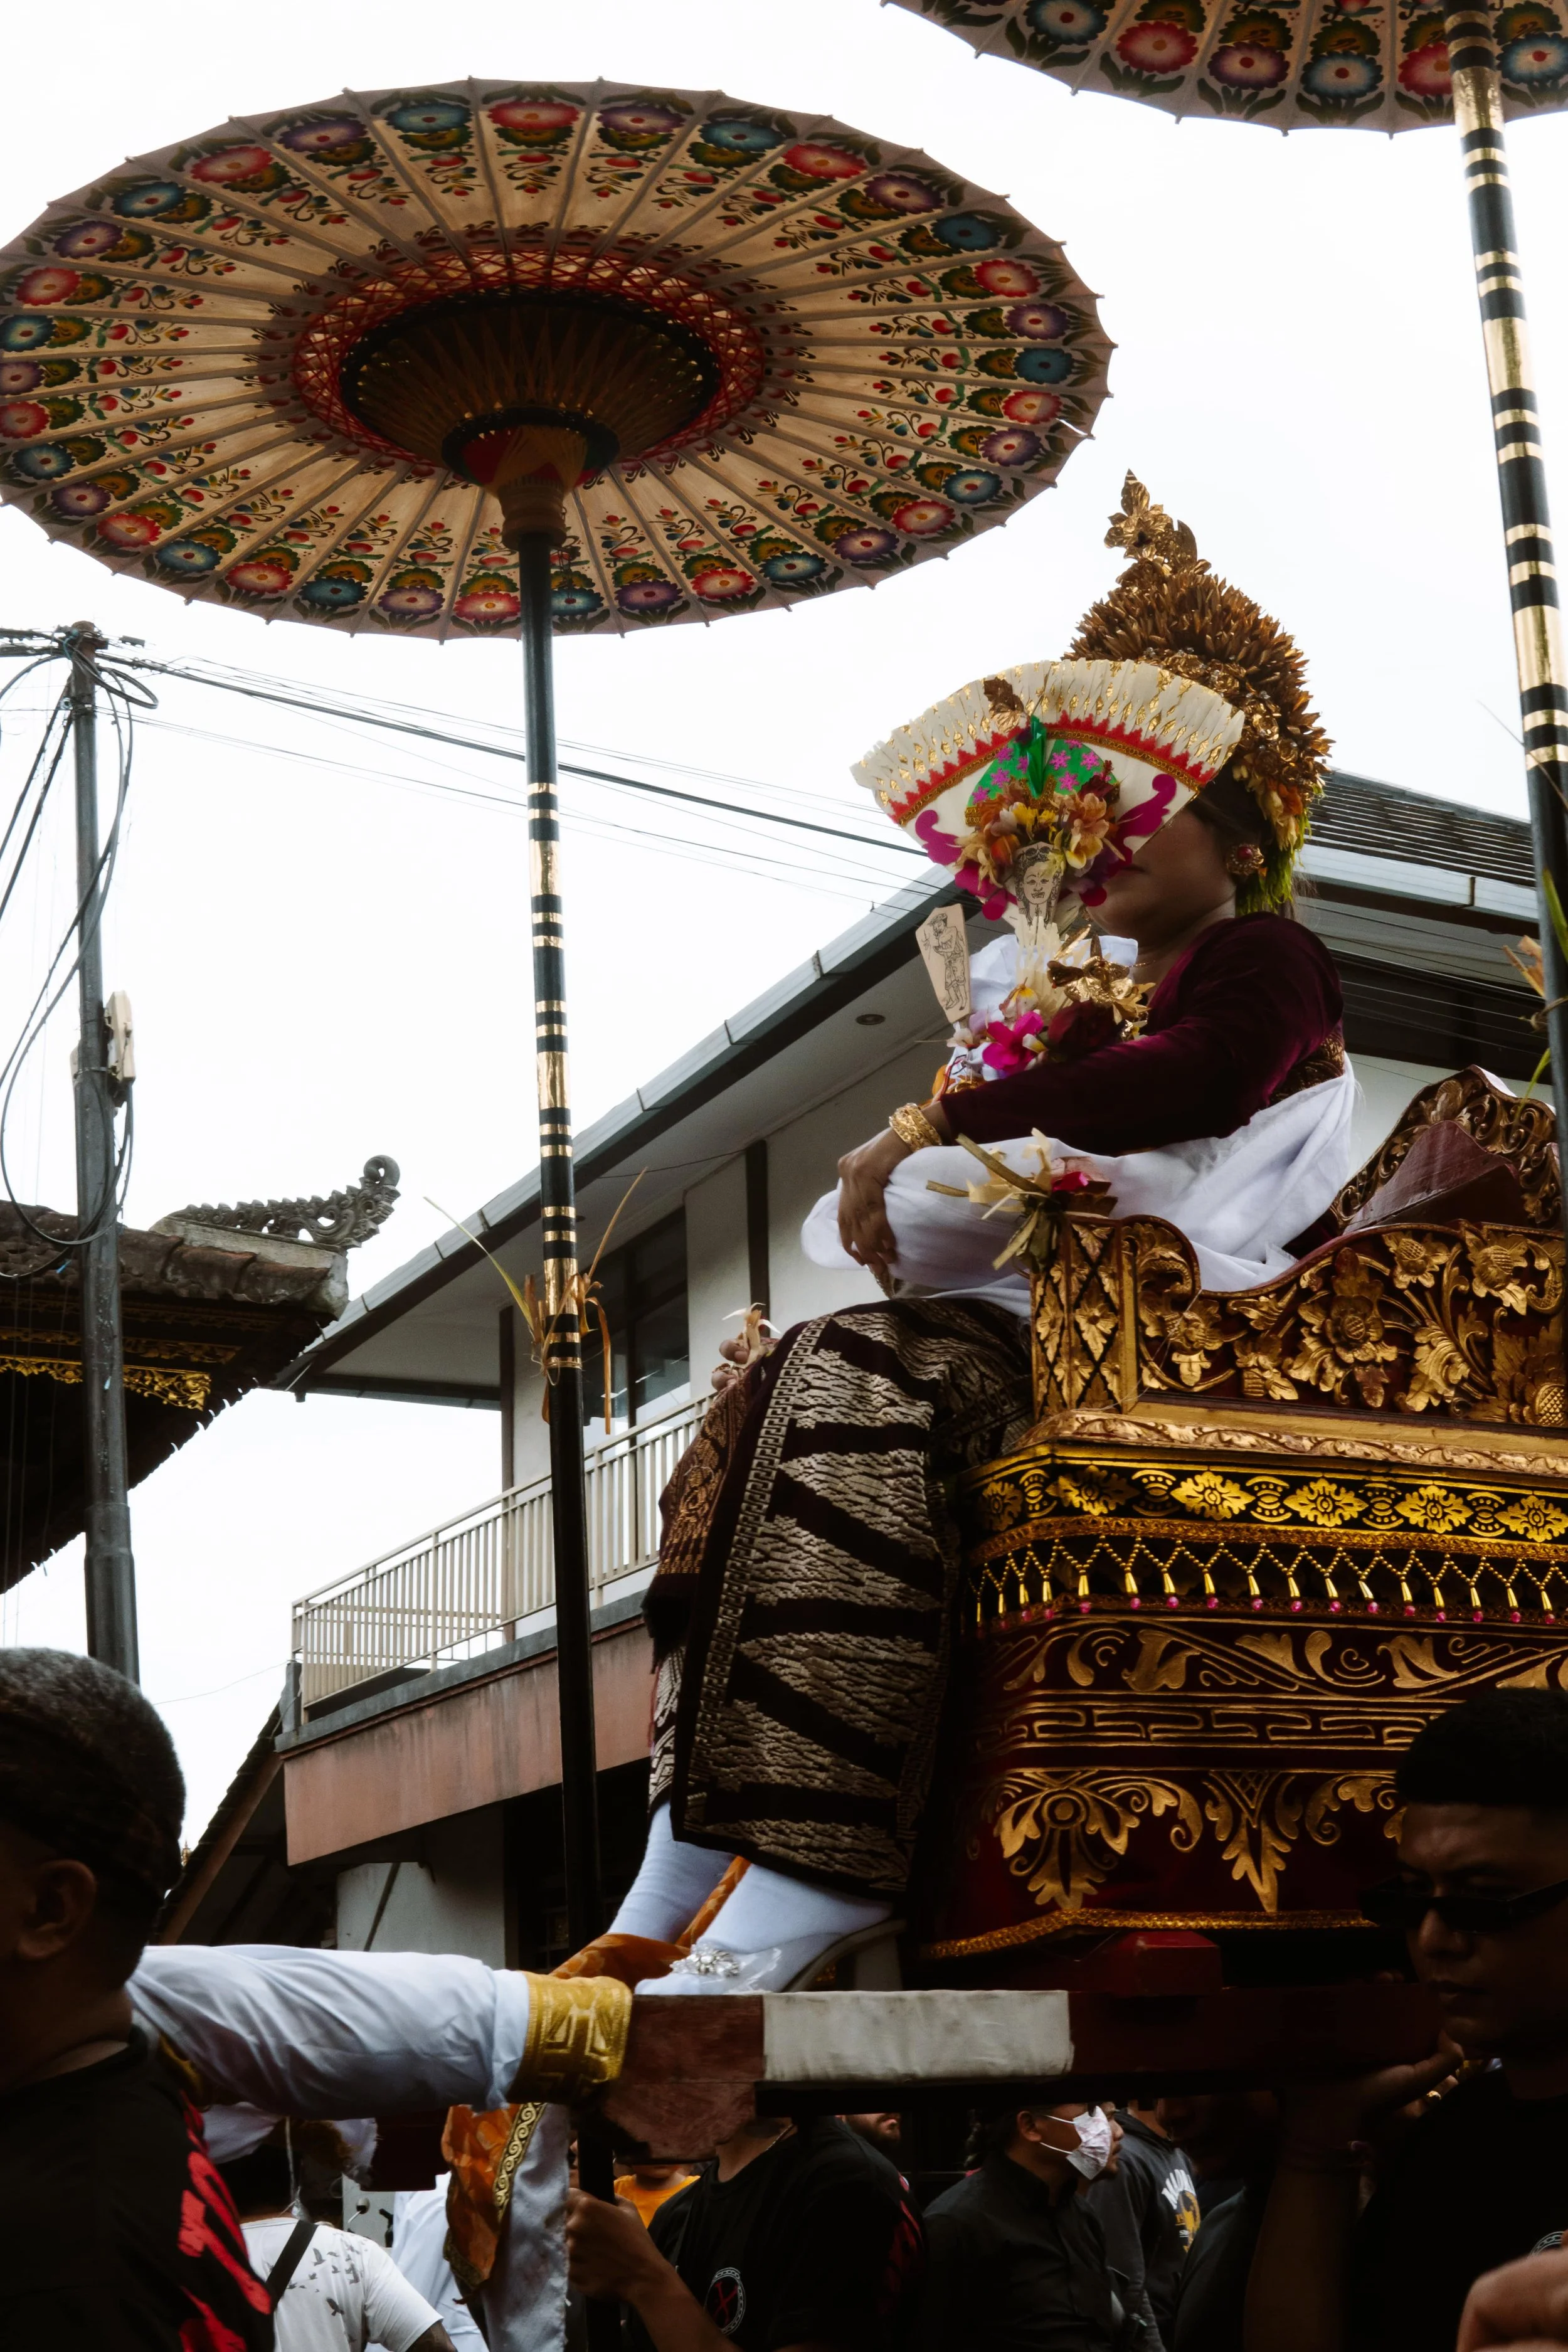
(1008, 1051)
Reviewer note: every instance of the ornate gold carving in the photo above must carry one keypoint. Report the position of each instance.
(190, 1390)
(1161, 1524)
(1523, 1133)
(1064, 1830)
(577, 2029)
(1056, 1923)
(1461, 1324)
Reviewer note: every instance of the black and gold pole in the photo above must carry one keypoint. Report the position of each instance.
(563, 1364)
(1521, 483)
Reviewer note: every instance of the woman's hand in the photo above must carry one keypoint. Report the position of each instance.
(863, 1226)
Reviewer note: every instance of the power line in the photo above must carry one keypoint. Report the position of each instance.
(727, 856)
(295, 699)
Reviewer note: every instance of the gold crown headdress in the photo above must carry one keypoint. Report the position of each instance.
(1168, 608)
(1173, 677)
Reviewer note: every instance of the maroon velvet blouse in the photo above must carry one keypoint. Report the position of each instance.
(1233, 1019)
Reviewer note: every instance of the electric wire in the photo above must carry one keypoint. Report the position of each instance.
(726, 856)
(368, 714)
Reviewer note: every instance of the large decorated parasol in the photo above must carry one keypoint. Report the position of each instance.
(331, 365)
(496, 357)
(1379, 64)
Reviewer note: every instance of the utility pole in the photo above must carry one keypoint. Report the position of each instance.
(110, 1572)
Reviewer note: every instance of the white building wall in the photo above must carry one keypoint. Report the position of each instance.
(718, 1269)
(803, 1164)
(450, 1898)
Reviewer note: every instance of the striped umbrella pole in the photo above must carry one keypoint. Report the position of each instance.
(563, 1364)
(1521, 483)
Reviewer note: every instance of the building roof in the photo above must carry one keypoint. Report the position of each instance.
(215, 1301)
(1416, 898)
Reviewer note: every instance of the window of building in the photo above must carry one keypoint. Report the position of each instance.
(642, 1289)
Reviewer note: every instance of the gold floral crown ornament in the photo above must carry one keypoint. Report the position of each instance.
(1168, 608)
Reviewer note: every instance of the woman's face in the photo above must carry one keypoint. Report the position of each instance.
(1177, 875)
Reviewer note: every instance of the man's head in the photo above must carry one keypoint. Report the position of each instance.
(1064, 2145)
(91, 1805)
(1224, 2135)
(883, 2132)
(1485, 1787)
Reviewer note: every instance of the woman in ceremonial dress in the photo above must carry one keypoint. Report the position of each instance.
(1190, 1065)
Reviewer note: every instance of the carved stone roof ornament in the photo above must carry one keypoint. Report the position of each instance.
(333, 1220)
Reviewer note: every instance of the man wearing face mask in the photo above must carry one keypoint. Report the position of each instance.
(1016, 2262)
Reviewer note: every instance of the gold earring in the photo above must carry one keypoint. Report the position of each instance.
(1244, 861)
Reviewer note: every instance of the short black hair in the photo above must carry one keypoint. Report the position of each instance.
(262, 2181)
(993, 2128)
(1501, 1748)
(88, 1768)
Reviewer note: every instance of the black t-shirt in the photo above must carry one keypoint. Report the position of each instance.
(1211, 2296)
(118, 2232)
(814, 2242)
(1009, 2270)
(1148, 2209)
(1480, 2180)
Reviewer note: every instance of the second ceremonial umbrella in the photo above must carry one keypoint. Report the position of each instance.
(1376, 64)
(501, 358)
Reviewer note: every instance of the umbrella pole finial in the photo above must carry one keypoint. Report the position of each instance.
(563, 1352)
(1522, 485)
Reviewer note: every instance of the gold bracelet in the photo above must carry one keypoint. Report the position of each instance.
(911, 1126)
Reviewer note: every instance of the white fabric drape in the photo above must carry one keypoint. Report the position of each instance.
(1239, 1198)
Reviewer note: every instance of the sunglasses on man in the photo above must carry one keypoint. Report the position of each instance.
(1395, 1905)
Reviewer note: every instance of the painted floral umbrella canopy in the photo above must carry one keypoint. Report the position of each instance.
(277, 364)
(1375, 65)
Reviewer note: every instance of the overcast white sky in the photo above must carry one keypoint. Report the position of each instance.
(323, 967)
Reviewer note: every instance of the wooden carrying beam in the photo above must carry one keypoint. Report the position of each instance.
(696, 2069)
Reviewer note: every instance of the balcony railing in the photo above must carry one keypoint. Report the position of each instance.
(476, 1581)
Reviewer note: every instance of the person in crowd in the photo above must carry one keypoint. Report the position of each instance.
(1472, 2175)
(793, 2238)
(1148, 2207)
(330, 2290)
(121, 2236)
(420, 2250)
(883, 2132)
(1017, 2260)
(647, 2186)
(1230, 2139)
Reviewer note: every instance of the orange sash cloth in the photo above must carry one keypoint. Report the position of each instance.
(485, 2150)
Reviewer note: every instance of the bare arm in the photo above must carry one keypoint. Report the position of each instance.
(1524, 2305)
(1297, 2295)
(434, 2339)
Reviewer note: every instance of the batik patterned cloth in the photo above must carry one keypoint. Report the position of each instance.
(804, 1659)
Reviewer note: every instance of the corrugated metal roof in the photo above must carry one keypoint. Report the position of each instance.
(1385, 821)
